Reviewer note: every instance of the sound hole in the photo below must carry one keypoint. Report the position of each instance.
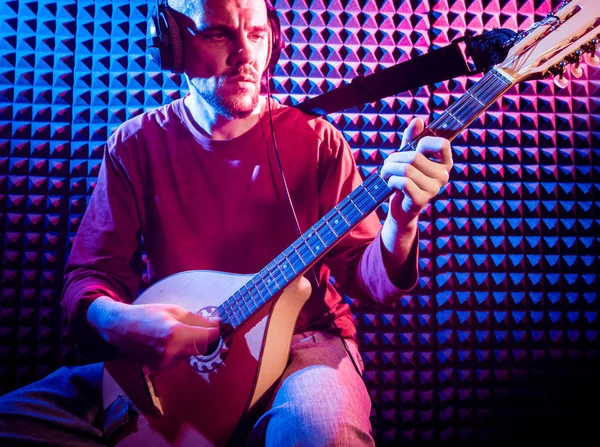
(215, 354)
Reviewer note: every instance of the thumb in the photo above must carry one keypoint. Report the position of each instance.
(197, 319)
(414, 129)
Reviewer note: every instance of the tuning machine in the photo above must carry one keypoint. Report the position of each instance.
(559, 74)
(590, 49)
(575, 63)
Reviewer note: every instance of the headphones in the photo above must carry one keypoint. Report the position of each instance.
(165, 45)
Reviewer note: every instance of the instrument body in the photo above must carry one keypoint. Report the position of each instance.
(202, 399)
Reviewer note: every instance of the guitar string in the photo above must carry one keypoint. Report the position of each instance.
(352, 213)
(460, 111)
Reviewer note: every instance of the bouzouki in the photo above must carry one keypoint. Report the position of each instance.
(200, 400)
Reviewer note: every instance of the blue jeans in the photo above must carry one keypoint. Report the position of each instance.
(321, 401)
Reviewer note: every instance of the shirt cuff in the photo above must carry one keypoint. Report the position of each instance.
(381, 285)
(89, 343)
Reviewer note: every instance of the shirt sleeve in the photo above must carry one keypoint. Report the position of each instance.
(106, 254)
(357, 261)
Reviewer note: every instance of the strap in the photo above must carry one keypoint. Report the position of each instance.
(435, 66)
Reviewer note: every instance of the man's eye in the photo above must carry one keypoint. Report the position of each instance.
(215, 35)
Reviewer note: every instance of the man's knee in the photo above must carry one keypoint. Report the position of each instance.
(298, 428)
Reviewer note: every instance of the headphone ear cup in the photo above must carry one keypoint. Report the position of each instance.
(176, 46)
(276, 40)
(163, 40)
(158, 41)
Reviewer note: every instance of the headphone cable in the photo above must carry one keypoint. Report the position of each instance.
(299, 230)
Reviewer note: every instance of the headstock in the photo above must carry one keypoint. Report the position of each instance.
(561, 39)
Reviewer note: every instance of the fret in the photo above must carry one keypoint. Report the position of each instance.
(352, 211)
(303, 257)
(446, 125)
(235, 321)
(230, 318)
(306, 242)
(499, 84)
(369, 200)
(379, 188)
(315, 245)
(489, 95)
(370, 195)
(254, 294)
(295, 248)
(455, 118)
(362, 201)
(267, 282)
(340, 214)
(475, 98)
(329, 226)
(345, 209)
(238, 309)
(274, 278)
(340, 224)
(231, 315)
(445, 133)
(245, 311)
(284, 267)
(323, 243)
(233, 306)
(274, 275)
(295, 259)
(238, 300)
(328, 233)
(248, 306)
(264, 294)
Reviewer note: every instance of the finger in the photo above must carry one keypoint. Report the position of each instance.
(434, 149)
(422, 170)
(419, 160)
(412, 194)
(414, 129)
(430, 185)
(437, 147)
(200, 339)
(193, 340)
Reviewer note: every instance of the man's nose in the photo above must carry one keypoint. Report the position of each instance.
(243, 51)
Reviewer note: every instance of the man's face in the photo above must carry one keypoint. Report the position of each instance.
(225, 51)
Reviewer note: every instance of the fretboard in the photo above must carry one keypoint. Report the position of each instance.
(316, 242)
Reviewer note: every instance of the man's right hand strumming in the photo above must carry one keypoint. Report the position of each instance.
(156, 334)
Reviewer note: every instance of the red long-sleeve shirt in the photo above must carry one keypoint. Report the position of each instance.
(200, 204)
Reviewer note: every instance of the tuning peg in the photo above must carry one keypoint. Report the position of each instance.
(575, 61)
(576, 70)
(561, 81)
(559, 78)
(592, 59)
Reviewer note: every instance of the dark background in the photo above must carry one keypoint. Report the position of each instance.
(499, 342)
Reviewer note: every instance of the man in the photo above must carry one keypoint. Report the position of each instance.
(199, 181)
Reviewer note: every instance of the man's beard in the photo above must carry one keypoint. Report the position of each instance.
(227, 98)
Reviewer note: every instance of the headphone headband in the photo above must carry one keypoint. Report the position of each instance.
(165, 44)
